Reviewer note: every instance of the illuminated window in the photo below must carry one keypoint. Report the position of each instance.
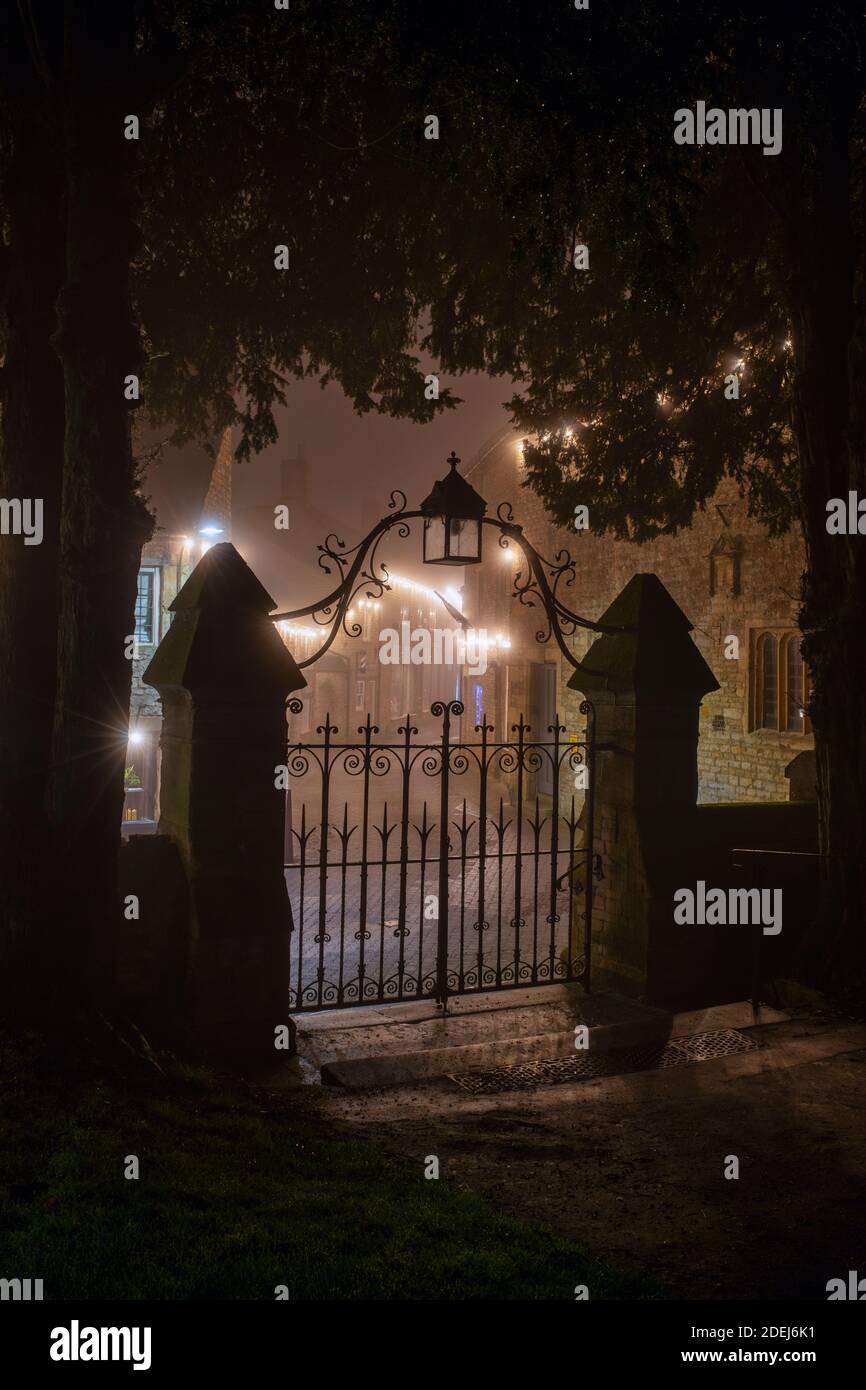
(369, 616)
(147, 607)
(779, 684)
(478, 698)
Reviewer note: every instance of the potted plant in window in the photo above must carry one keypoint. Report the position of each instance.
(133, 794)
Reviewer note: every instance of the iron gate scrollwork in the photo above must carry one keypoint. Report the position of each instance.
(424, 891)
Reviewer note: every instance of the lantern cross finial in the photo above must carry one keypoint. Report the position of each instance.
(452, 459)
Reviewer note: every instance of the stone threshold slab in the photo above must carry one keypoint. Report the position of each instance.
(508, 1041)
(415, 1029)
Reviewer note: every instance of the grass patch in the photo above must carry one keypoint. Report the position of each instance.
(238, 1194)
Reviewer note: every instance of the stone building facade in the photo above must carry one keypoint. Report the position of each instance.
(738, 586)
(190, 494)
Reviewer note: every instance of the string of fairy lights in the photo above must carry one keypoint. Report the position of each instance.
(373, 608)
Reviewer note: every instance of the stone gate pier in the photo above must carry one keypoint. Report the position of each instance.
(224, 675)
(646, 684)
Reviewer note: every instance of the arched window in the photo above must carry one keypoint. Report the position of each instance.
(779, 684)
(794, 692)
(767, 701)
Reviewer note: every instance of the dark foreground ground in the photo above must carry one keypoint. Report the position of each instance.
(241, 1190)
(617, 1183)
(633, 1166)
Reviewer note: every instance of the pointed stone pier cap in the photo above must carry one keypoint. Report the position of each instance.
(656, 656)
(222, 640)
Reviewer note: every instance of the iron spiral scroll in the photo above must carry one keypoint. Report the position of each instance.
(361, 572)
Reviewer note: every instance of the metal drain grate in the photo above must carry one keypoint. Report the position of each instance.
(583, 1066)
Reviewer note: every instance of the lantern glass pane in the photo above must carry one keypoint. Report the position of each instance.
(464, 538)
(434, 538)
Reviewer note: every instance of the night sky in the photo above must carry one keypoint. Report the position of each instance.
(354, 463)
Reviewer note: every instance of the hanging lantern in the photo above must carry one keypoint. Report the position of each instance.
(452, 521)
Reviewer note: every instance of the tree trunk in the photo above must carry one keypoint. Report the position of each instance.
(104, 521)
(31, 461)
(830, 423)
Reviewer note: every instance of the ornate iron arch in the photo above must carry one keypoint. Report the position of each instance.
(363, 573)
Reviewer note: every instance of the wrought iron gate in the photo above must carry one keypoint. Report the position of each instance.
(424, 869)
